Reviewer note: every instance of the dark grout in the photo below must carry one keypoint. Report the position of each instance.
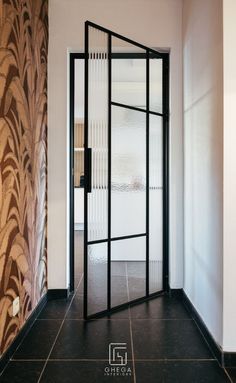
(117, 319)
(55, 340)
(62, 360)
(163, 319)
(28, 360)
(176, 360)
(129, 360)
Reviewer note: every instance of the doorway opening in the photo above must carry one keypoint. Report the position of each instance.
(76, 169)
(119, 115)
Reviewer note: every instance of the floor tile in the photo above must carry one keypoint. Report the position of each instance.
(137, 288)
(22, 372)
(55, 309)
(162, 307)
(78, 277)
(136, 269)
(180, 372)
(97, 286)
(90, 340)
(119, 292)
(232, 373)
(76, 308)
(96, 304)
(80, 288)
(81, 372)
(118, 268)
(119, 314)
(78, 255)
(39, 340)
(76, 311)
(169, 339)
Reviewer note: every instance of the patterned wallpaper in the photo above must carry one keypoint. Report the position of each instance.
(23, 161)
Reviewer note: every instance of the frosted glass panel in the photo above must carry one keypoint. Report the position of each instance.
(128, 172)
(128, 270)
(128, 74)
(155, 66)
(97, 133)
(97, 278)
(155, 204)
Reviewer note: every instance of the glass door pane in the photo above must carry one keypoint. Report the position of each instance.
(98, 133)
(96, 170)
(128, 172)
(97, 278)
(125, 132)
(128, 74)
(155, 204)
(128, 265)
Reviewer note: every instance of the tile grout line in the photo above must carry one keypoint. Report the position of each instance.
(63, 321)
(130, 360)
(117, 319)
(227, 374)
(130, 324)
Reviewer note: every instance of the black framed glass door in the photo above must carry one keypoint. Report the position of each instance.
(126, 171)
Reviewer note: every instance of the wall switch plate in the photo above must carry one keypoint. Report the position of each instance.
(16, 306)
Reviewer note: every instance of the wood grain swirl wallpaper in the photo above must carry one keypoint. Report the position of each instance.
(23, 160)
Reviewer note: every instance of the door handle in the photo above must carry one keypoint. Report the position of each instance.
(88, 170)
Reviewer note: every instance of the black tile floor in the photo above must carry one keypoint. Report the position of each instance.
(163, 345)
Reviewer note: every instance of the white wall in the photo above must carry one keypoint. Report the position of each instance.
(203, 136)
(229, 319)
(154, 23)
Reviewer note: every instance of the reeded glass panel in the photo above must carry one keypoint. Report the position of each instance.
(128, 270)
(128, 74)
(155, 204)
(128, 172)
(97, 133)
(97, 278)
(155, 67)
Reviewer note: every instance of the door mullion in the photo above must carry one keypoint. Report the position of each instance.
(165, 98)
(85, 170)
(109, 179)
(147, 172)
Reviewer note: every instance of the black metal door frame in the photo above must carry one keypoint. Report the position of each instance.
(165, 118)
(73, 57)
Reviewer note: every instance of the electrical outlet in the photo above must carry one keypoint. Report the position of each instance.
(16, 306)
